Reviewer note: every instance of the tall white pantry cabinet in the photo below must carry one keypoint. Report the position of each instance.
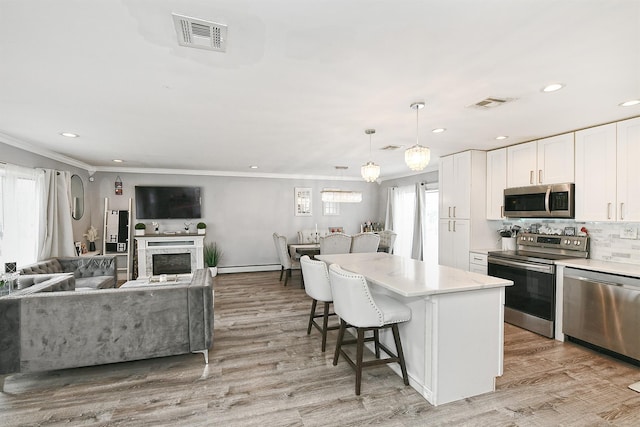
(463, 224)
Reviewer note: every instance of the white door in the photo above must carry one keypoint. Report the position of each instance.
(461, 238)
(445, 243)
(462, 185)
(496, 182)
(447, 187)
(596, 173)
(628, 171)
(555, 160)
(521, 164)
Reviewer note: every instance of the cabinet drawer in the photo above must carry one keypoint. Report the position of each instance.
(477, 258)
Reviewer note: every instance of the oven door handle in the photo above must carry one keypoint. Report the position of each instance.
(548, 269)
(547, 202)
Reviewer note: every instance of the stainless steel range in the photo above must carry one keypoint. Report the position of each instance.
(531, 302)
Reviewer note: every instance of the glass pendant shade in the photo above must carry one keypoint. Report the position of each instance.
(370, 171)
(417, 157)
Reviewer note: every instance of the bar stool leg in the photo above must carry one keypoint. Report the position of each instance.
(343, 328)
(359, 356)
(325, 324)
(403, 367)
(313, 312)
(376, 341)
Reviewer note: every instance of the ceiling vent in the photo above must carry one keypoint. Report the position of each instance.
(488, 103)
(201, 34)
(390, 147)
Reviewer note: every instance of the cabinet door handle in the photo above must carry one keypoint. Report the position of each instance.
(540, 176)
(609, 210)
(449, 211)
(454, 211)
(621, 210)
(449, 225)
(530, 177)
(454, 226)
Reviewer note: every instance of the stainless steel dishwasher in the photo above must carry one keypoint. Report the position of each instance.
(603, 309)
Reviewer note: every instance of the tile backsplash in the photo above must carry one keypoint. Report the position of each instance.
(616, 242)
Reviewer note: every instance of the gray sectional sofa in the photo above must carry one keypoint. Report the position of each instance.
(45, 328)
(96, 272)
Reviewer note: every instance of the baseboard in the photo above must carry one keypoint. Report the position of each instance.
(249, 268)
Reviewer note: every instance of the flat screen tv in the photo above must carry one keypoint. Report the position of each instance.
(168, 202)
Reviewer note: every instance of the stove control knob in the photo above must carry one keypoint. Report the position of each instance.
(577, 242)
(531, 239)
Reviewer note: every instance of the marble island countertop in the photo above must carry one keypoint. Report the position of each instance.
(411, 278)
(632, 270)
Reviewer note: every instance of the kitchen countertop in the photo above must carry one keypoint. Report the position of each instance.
(411, 278)
(632, 270)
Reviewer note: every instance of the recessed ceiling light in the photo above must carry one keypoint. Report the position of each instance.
(118, 160)
(630, 103)
(438, 130)
(253, 167)
(501, 137)
(552, 87)
(69, 134)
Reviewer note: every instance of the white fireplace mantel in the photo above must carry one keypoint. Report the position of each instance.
(149, 245)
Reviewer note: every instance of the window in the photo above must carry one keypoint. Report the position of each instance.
(19, 213)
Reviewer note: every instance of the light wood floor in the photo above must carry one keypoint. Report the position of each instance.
(265, 371)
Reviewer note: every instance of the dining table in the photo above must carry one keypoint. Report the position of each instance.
(454, 342)
(296, 250)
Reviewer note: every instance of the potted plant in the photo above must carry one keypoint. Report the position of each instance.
(201, 227)
(92, 236)
(212, 256)
(140, 228)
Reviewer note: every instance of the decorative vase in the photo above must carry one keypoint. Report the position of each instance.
(201, 230)
(214, 271)
(139, 232)
(92, 246)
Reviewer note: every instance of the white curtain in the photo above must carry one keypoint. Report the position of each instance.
(56, 237)
(404, 206)
(388, 219)
(417, 250)
(19, 210)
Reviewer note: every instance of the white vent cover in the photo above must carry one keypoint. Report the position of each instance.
(391, 147)
(491, 103)
(201, 34)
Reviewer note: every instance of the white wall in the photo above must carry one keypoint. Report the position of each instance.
(242, 213)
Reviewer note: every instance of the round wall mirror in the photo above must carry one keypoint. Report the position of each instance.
(77, 197)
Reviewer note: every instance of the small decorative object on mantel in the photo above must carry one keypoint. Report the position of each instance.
(156, 227)
(186, 227)
(140, 229)
(92, 236)
(118, 186)
(202, 228)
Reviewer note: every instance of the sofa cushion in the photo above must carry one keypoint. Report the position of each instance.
(51, 282)
(96, 282)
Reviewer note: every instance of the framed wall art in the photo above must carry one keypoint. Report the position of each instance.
(302, 200)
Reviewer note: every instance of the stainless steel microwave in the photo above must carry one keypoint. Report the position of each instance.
(540, 201)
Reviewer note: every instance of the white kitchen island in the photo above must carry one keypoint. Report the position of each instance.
(453, 344)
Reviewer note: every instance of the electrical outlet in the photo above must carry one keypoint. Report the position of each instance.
(629, 233)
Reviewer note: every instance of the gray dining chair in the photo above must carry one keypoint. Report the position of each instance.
(358, 308)
(317, 286)
(335, 243)
(287, 264)
(365, 242)
(388, 238)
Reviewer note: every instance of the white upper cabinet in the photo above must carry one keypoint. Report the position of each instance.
(555, 159)
(455, 185)
(595, 167)
(628, 172)
(547, 161)
(496, 182)
(521, 164)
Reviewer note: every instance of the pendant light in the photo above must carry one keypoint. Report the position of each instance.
(370, 171)
(417, 157)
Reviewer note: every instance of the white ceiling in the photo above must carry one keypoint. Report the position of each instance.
(301, 80)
